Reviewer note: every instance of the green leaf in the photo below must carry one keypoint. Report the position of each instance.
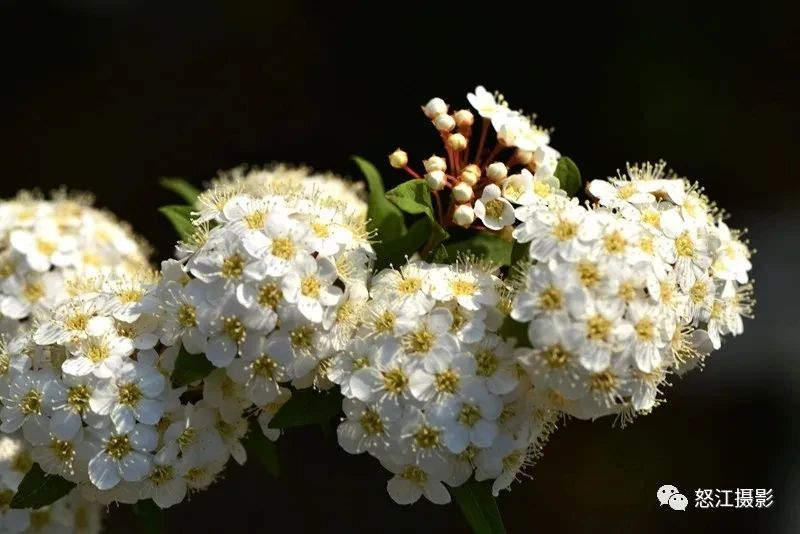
(262, 449)
(479, 507)
(384, 217)
(569, 175)
(511, 328)
(413, 197)
(181, 218)
(482, 244)
(519, 253)
(151, 517)
(182, 188)
(190, 368)
(39, 489)
(394, 251)
(307, 407)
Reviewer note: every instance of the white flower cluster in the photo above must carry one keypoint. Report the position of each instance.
(326, 189)
(88, 390)
(431, 390)
(482, 185)
(69, 515)
(45, 244)
(270, 288)
(621, 294)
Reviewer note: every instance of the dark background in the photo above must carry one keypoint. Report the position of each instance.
(107, 96)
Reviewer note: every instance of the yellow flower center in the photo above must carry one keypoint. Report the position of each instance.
(614, 243)
(684, 245)
(565, 230)
(645, 329)
(118, 447)
(129, 394)
(395, 381)
(469, 415)
(264, 366)
(551, 299)
(462, 288)
(255, 220)
(234, 329)
(555, 356)
(371, 422)
(447, 381)
(427, 437)
(495, 208)
(420, 341)
(598, 328)
(269, 295)
(233, 266)
(187, 315)
(604, 382)
(487, 363)
(408, 286)
(283, 248)
(310, 287)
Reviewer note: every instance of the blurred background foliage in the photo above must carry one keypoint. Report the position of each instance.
(109, 95)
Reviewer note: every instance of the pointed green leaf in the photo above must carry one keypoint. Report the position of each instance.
(413, 197)
(384, 217)
(262, 450)
(150, 516)
(181, 218)
(482, 244)
(479, 507)
(182, 188)
(190, 368)
(39, 489)
(569, 175)
(306, 407)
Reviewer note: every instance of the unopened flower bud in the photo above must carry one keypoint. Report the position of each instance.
(497, 172)
(464, 215)
(457, 142)
(434, 163)
(464, 118)
(524, 157)
(468, 177)
(444, 122)
(435, 106)
(462, 192)
(398, 159)
(436, 180)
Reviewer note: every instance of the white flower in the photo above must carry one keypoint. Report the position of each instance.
(28, 403)
(279, 246)
(493, 210)
(309, 285)
(260, 369)
(93, 354)
(131, 395)
(468, 421)
(122, 456)
(649, 336)
(468, 285)
(487, 106)
(444, 375)
(412, 482)
(366, 428)
(566, 232)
